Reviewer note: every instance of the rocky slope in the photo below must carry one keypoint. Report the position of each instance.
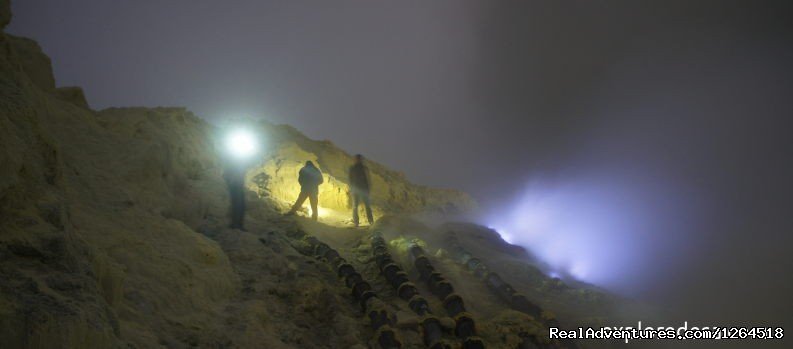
(113, 230)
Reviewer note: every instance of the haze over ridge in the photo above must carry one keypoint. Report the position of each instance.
(687, 105)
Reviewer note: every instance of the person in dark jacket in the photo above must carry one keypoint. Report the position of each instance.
(234, 175)
(309, 178)
(359, 188)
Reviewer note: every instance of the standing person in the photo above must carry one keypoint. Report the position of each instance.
(359, 187)
(309, 178)
(235, 179)
(241, 145)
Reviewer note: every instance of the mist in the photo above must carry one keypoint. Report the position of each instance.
(678, 191)
(642, 147)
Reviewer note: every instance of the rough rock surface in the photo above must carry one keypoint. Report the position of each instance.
(112, 231)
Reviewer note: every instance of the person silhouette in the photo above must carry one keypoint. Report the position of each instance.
(234, 175)
(359, 188)
(309, 178)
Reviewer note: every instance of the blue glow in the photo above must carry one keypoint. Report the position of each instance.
(602, 230)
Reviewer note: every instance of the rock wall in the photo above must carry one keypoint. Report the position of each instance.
(112, 226)
(98, 217)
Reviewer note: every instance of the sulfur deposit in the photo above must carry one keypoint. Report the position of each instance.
(113, 232)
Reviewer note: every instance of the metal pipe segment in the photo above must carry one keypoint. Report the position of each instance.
(375, 310)
(352, 279)
(492, 280)
(501, 288)
(430, 326)
(465, 327)
(419, 305)
(399, 278)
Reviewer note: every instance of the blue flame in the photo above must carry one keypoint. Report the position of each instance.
(605, 230)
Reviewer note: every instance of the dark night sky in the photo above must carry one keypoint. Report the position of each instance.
(690, 102)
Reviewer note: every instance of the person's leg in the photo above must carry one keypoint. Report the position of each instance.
(314, 200)
(355, 208)
(368, 209)
(299, 203)
(241, 211)
(234, 209)
(234, 198)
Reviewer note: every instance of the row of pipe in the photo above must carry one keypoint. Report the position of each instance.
(465, 328)
(381, 320)
(501, 288)
(430, 326)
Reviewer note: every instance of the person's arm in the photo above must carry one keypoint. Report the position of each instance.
(301, 176)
